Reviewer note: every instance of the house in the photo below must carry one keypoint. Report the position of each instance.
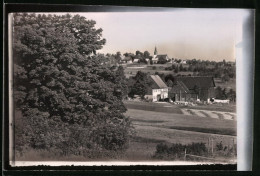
(158, 89)
(147, 60)
(183, 62)
(136, 60)
(157, 56)
(190, 88)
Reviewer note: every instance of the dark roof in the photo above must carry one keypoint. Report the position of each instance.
(158, 82)
(190, 82)
(179, 87)
(164, 56)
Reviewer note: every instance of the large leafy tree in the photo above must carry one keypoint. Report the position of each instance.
(139, 84)
(70, 100)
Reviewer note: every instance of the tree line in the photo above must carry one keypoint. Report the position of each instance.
(224, 71)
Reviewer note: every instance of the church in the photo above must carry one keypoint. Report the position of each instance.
(157, 56)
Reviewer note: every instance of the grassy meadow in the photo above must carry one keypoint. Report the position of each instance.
(156, 123)
(166, 126)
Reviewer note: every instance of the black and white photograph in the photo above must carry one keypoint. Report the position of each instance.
(151, 87)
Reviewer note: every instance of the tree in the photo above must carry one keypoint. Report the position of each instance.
(69, 99)
(181, 67)
(121, 87)
(221, 93)
(225, 78)
(141, 85)
(118, 56)
(224, 62)
(232, 95)
(139, 53)
(162, 60)
(176, 69)
(169, 83)
(126, 54)
(146, 54)
(169, 77)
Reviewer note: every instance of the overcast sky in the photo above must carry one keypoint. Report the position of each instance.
(186, 33)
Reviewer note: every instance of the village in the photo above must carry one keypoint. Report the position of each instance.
(178, 106)
(72, 103)
(174, 80)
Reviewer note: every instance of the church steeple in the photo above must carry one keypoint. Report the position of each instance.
(155, 51)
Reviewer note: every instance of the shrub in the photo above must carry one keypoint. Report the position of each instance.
(177, 151)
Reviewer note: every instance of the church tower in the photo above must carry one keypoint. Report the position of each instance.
(155, 51)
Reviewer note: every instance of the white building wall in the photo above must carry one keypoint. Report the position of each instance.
(162, 92)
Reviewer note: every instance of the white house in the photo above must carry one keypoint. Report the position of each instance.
(183, 62)
(158, 90)
(135, 60)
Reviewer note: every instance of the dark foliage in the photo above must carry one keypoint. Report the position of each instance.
(177, 151)
(139, 84)
(69, 97)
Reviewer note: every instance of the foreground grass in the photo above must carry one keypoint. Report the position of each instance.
(193, 123)
(153, 128)
(155, 107)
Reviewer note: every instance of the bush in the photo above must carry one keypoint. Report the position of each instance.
(227, 151)
(177, 151)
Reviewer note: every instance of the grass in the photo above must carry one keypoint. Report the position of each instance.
(174, 128)
(232, 116)
(220, 116)
(222, 131)
(170, 119)
(205, 114)
(149, 121)
(155, 107)
(191, 112)
(147, 140)
(129, 71)
(155, 124)
(213, 107)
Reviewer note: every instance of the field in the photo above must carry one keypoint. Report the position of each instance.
(131, 70)
(156, 123)
(213, 107)
(166, 126)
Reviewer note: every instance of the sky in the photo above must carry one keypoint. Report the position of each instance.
(207, 34)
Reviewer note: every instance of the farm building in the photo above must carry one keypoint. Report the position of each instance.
(158, 89)
(192, 88)
(180, 92)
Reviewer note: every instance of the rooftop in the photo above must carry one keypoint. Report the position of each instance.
(159, 84)
(200, 81)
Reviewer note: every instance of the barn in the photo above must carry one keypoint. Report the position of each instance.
(192, 88)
